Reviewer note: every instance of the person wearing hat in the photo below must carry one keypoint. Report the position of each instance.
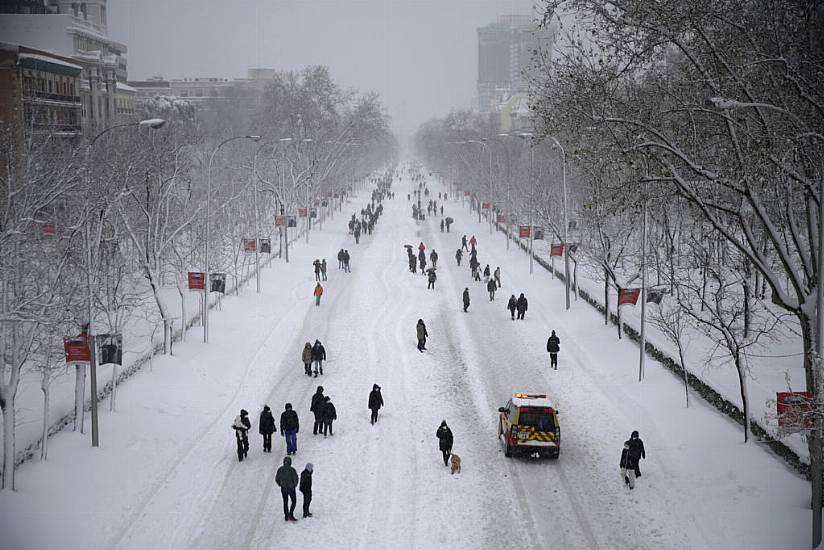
(241, 426)
(444, 435)
(636, 449)
(375, 402)
(553, 346)
(287, 479)
(329, 414)
(289, 427)
(316, 409)
(306, 488)
(266, 427)
(318, 293)
(421, 333)
(318, 356)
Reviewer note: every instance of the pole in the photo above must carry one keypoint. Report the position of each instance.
(643, 286)
(815, 461)
(566, 229)
(491, 186)
(257, 235)
(206, 284)
(531, 196)
(91, 337)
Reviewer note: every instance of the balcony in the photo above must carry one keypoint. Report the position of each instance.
(30, 95)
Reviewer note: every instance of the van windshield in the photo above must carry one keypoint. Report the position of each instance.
(540, 419)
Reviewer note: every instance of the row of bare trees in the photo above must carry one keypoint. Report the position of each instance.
(709, 117)
(95, 230)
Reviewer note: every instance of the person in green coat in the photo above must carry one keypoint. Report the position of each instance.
(287, 479)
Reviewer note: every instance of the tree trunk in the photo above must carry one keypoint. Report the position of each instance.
(45, 381)
(745, 400)
(183, 318)
(79, 396)
(161, 307)
(9, 451)
(606, 297)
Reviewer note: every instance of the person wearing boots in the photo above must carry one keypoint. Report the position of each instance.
(306, 357)
(289, 427)
(329, 415)
(318, 357)
(553, 346)
(316, 409)
(306, 488)
(287, 479)
(375, 402)
(241, 426)
(445, 440)
(636, 449)
(266, 427)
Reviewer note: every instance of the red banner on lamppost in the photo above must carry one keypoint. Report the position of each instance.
(249, 245)
(628, 296)
(197, 280)
(77, 349)
(556, 249)
(523, 231)
(501, 218)
(485, 205)
(303, 212)
(280, 221)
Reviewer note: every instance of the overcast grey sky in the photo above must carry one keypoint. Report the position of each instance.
(420, 55)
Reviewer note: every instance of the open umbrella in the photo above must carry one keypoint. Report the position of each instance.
(408, 246)
(449, 220)
(431, 269)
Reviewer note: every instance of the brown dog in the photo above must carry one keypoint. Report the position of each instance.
(455, 463)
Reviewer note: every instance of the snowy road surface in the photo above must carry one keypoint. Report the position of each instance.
(167, 475)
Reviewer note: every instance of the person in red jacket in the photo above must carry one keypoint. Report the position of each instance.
(318, 293)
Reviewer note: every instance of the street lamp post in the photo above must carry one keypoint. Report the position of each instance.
(529, 135)
(154, 124)
(207, 283)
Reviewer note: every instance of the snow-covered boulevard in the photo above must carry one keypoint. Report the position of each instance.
(166, 474)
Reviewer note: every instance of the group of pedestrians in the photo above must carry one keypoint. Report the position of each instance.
(320, 269)
(343, 260)
(631, 456)
(313, 354)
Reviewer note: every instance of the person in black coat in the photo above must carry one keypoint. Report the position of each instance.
(266, 427)
(241, 426)
(305, 487)
(289, 427)
(315, 408)
(553, 346)
(636, 449)
(521, 305)
(444, 435)
(511, 305)
(458, 256)
(318, 356)
(375, 402)
(466, 298)
(628, 464)
(329, 414)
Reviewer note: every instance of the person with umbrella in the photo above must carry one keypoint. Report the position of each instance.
(441, 225)
(432, 277)
(449, 221)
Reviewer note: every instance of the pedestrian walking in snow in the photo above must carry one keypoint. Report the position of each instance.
(421, 247)
(287, 479)
(316, 409)
(318, 357)
(463, 244)
(636, 449)
(323, 269)
(521, 305)
(346, 258)
(473, 242)
(316, 264)
(241, 426)
(628, 465)
(375, 402)
(329, 415)
(458, 256)
(432, 277)
(553, 346)
(266, 427)
(318, 293)
(420, 330)
(512, 305)
(306, 357)
(497, 276)
(306, 488)
(441, 210)
(466, 299)
(441, 225)
(357, 234)
(340, 259)
(289, 427)
(433, 257)
(491, 287)
(445, 440)
(413, 263)
(422, 261)
(486, 274)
